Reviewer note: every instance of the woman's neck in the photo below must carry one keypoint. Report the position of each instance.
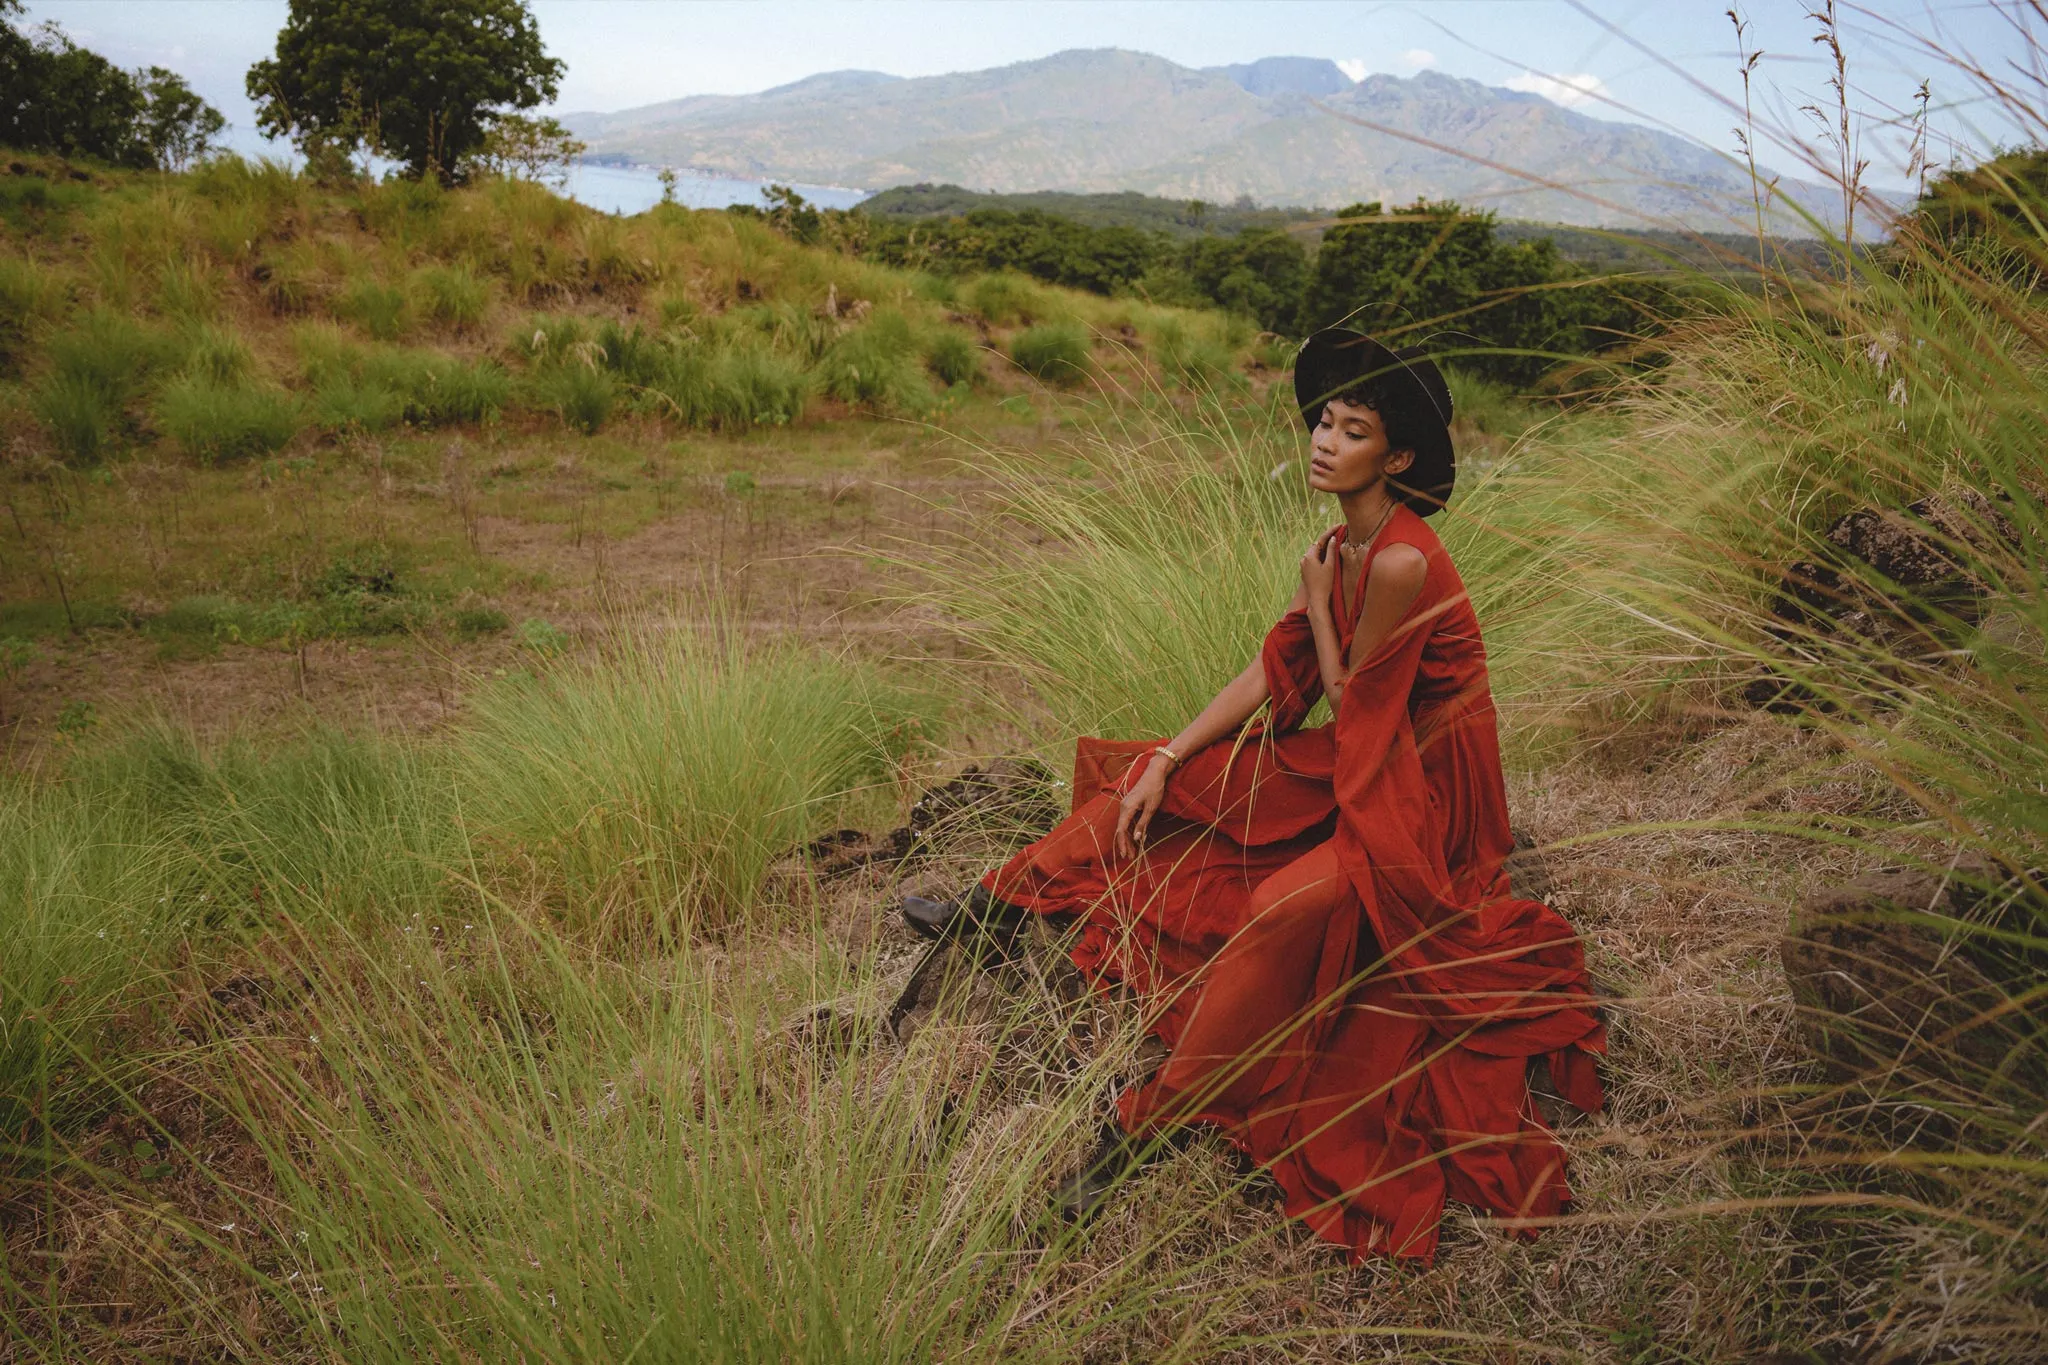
(1366, 511)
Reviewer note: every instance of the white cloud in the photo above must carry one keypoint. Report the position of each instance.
(1569, 91)
(1408, 63)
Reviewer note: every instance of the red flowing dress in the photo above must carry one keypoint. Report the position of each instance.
(1322, 932)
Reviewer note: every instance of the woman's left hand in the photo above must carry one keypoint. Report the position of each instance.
(1319, 568)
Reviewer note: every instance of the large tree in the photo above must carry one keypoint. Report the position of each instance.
(420, 81)
(1504, 311)
(56, 96)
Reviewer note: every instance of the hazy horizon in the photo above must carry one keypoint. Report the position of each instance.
(1670, 66)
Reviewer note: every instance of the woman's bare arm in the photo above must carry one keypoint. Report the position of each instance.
(1225, 714)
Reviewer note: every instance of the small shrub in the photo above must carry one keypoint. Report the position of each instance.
(1005, 299)
(79, 415)
(682, 764)
(1190, 357)
(581, 394)
(111, 351)
(289, 282)
(876, 366)
(1489, 406)
(217, 421)
(954, 356)
(186, 290)
(453, 296)
(30, 203)
(361, 594)
(550, 338)
(631, 353)
(474, 621)
(542, 637)
(752, 386)
(344, 402)
(219, 356)
(442, 391)
(378, 308)
(1056, 352)
(28, 295)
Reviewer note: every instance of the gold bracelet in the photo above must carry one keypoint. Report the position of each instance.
(1171, 757)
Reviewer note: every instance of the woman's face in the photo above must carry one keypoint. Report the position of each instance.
(1348, 450)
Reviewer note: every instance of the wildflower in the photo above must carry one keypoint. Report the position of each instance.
(1897, 396)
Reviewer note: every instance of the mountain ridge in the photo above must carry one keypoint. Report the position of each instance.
(1281, 130)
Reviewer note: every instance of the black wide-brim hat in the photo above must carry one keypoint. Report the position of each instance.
(1336, 358)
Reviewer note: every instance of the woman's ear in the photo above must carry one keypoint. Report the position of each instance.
(1398, 462)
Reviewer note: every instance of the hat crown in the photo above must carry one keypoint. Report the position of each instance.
(1337, 357)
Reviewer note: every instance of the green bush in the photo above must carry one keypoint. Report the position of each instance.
(1056, 352)
(580, 394)
(876, 366)
(551, 338)
(1190, 356)
(440, 391)
(731, 385)
(110, 351)
(28, 295)
(453, 296)
(217, 355)
(344, 402)
(80, 416)
(954, 356)
(153, 840)
(217, 421)
(186, 291)
(1005, 299)
(680, 765)
(380, 309)
(473, 621)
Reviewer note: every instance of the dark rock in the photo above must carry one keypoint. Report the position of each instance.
(1887, 997)
(1528, 873)
(1011, 799)
(1899, 582)
(1007, 792)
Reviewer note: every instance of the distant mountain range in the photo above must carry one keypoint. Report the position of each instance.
(1282, 131)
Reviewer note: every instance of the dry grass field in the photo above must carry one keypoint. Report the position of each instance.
(435, 624)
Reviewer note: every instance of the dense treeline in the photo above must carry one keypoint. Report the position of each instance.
(56, 96)
(1508, 310)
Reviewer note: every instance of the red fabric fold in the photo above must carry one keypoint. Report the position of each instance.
(1351, 877)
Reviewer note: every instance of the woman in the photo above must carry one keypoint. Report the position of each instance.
(1318, 919)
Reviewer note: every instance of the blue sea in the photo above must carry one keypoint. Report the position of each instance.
(614, 189)
(634, 189)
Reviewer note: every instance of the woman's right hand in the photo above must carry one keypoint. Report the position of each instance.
(1140, 804)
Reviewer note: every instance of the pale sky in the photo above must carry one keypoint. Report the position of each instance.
(1629, 59)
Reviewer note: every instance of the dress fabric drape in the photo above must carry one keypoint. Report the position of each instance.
(1323, 934)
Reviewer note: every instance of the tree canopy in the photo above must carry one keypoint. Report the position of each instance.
(56, 96)
(1511, 308)
(421, 81)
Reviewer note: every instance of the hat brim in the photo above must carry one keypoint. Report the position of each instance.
(1336, 358)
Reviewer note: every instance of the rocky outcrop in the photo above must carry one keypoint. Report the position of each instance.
(1009, 798)
(1899, 585)
(1892, 992)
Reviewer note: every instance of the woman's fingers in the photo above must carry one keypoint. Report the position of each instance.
(1123, 830)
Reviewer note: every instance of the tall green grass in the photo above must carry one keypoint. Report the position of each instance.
(877, 365)
(651, 787)
(1057, 352)
(157, 840)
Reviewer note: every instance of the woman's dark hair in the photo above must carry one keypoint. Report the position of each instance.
(1397, 406)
